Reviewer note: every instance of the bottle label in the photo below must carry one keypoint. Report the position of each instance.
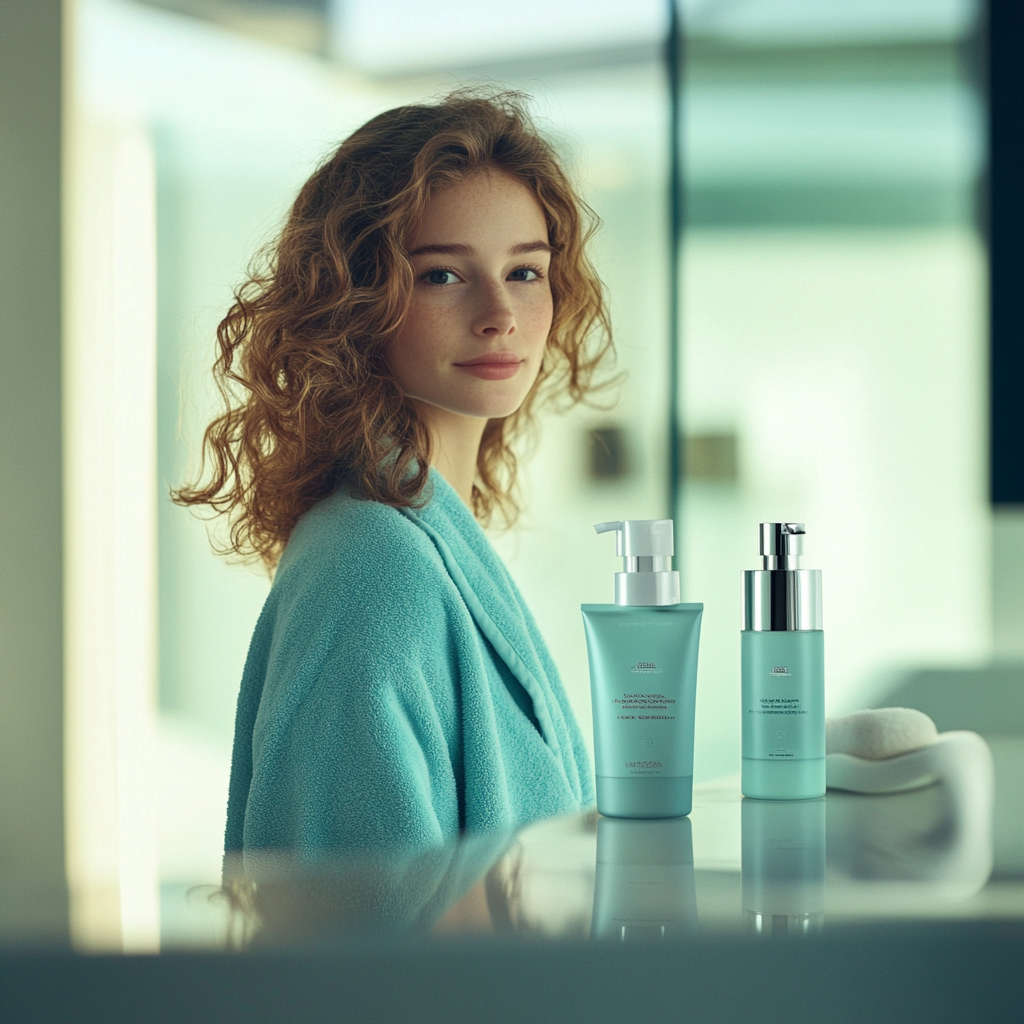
(783, 695)
(643, 677)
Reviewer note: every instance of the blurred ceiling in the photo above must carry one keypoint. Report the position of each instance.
(404, 37)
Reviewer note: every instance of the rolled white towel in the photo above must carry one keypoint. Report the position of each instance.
(879, 733)
(879, 751)
(941, 839)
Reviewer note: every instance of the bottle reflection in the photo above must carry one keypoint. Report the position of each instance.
(644, 889)
(784, 866)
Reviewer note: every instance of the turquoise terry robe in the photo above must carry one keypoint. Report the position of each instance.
(397, 690)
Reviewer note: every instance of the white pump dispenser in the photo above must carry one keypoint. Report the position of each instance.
(646, 548)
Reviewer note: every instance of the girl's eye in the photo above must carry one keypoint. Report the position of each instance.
(440, 276)
(524, 274)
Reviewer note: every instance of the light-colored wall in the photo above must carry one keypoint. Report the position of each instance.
(33, 903)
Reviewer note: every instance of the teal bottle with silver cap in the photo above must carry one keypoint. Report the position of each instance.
(643, 678)
(783, 672)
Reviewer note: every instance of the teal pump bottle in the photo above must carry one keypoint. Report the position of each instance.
(783, 672)
(643, 678)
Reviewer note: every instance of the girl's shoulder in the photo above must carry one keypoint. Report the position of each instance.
(343, 521)
(358, 541)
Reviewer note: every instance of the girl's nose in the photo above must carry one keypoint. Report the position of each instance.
(495, 317)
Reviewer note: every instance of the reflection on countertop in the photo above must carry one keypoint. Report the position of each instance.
(766, 868)
(644, 887)
(783, 873)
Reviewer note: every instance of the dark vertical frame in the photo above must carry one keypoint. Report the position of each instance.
(33, 898)
(1005, 59)
(674, 79)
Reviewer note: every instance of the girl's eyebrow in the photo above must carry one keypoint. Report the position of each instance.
(536, 246)
(456, 249)
(461, 249)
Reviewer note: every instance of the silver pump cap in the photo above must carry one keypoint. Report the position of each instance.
(646, 548)
(782, 544)
(781, 596)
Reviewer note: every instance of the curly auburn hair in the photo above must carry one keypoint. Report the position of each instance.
(309, 397)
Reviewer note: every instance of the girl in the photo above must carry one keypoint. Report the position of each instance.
(430, 285)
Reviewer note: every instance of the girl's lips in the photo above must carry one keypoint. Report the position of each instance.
(491, 371)
(493, 365)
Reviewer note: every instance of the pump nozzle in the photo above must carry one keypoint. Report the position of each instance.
(782, 544)
(645, 547)
(641, 538)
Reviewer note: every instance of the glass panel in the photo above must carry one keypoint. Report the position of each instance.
(833, 335)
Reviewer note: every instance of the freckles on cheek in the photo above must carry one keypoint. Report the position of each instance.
(424, 326)
(540, 318)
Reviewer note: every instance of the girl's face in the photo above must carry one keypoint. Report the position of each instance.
(480, 314)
